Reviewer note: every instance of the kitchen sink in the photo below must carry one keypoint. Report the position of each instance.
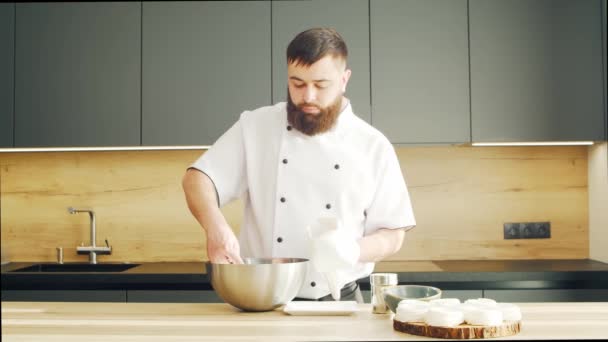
(76, 268)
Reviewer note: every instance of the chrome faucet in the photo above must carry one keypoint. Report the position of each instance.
(93, 249)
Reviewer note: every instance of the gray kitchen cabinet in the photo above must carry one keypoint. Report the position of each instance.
(7, 72)
(419, 70)
(204, 63)
(78, 74)
(536, 70)
(119, 296)
(548, 295)
(77, 80)
(349, 17)
(172, 296)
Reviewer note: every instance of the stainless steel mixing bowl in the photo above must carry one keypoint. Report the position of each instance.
(260, 284)
(394, 294)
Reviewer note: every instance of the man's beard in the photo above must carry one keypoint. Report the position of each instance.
(311, 124)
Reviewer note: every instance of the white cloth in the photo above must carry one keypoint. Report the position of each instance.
(334, 252)
(287, 180)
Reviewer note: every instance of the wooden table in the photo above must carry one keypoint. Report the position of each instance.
(23, 321)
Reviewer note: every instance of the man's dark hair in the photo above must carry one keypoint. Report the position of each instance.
(311, 45)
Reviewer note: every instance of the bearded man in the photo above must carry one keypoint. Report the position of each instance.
(302, 164)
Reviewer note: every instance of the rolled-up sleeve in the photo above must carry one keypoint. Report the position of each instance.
(391, 206)
(224, 164)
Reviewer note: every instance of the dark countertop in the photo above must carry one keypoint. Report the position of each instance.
(452, 275)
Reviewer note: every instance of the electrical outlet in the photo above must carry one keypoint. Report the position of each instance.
(527, 230)
(511, 231)
(542, 230)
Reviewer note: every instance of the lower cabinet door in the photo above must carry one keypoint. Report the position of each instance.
(64, 295)
(172, 296)
(551, 295)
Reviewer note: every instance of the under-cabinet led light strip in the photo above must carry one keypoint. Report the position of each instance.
(107, 148)
(534, 143)
(206, 147)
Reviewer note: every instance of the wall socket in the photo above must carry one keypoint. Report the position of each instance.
(527, 230)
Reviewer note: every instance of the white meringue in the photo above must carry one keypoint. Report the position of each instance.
(483, 316)
(465, 307)
(450, 312)
(443, 316)
(510, 312)
(484, 302)
(411, 311)
(445, 302)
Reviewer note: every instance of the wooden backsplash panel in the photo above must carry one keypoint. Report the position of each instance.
(463, 195)
(461, 198)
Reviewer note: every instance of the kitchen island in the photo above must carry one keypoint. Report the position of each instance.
(58, 321)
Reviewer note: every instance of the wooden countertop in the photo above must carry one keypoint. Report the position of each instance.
(27, 321)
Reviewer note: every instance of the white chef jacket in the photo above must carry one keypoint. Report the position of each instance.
(287, 180)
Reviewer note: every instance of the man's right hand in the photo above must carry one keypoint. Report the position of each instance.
(223, 246)
(201, 196)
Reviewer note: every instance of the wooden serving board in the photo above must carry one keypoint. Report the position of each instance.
(463, 331)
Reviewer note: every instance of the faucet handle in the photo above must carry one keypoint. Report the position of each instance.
(107, 243)
(60, 255)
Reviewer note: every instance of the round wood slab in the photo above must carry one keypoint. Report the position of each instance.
(463, 331)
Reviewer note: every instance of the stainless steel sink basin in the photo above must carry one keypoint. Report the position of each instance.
(76, 268)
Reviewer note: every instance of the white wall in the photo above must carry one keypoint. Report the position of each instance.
(598, 202)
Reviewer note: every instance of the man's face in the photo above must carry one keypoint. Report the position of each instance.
(315, 94)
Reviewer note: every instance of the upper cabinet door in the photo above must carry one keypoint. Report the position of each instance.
(536, 70)
(77, 74)
(204, 63)
(7, 72)
(349, 17)
(420, 80)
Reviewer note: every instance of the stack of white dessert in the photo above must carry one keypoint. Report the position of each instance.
(450, 312)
